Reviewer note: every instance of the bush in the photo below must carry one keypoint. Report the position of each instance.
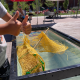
(36, 4)
(14, 5)
(65, 4)
(75, 8)
(5, 5)
(49, 3)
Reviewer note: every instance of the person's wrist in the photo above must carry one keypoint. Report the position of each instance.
(7, 29)
(4, 29)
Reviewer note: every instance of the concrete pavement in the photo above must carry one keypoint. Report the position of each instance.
(67, 24)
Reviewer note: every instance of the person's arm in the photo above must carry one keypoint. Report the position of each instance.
(4, 14)
(7, 17)
(13, 26)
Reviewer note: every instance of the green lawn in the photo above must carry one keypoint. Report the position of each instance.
(41, 14)
(70, 13)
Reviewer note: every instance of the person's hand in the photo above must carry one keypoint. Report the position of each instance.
(13, 25)
(26, 26)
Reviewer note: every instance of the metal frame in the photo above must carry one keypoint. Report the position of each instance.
(54, 74)
(69, 38)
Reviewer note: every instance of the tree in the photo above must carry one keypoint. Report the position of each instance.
(24, 5)
(2, 1)
(55, 4)
(14, 5)
(65, 4)
(36, 3)
(5, 5)
(78, 7)
(34, 6)
(49, 3)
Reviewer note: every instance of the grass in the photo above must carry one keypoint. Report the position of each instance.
(41, 14)
(70, 13)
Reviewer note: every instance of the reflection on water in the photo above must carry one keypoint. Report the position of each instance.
(53, 61)
(70, 57)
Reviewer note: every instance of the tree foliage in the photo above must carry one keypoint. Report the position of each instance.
(14, 5)
(78, 2)
(65, 4)
(78, 7)
(24, 5)
(49, 3)
(36, 4)
(55, 4)
(5, 5)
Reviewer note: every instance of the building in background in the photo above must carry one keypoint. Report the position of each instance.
(72, 3)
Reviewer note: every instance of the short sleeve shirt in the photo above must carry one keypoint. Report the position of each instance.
(3, 10)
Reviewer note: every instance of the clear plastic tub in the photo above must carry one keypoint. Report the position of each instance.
(4, 63)
(3, 46)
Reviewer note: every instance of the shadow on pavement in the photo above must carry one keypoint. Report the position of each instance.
(43, 25)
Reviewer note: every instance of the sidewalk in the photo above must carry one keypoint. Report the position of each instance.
(67, 24)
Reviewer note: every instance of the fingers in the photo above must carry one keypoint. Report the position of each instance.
(25, 20)
(16, 16)
(27, 29)
(26, 26)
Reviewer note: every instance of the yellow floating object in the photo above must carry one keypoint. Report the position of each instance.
(30, 60)
(47, 45)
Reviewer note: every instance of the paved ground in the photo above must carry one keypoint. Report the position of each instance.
(67, 24)
(71, 28)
